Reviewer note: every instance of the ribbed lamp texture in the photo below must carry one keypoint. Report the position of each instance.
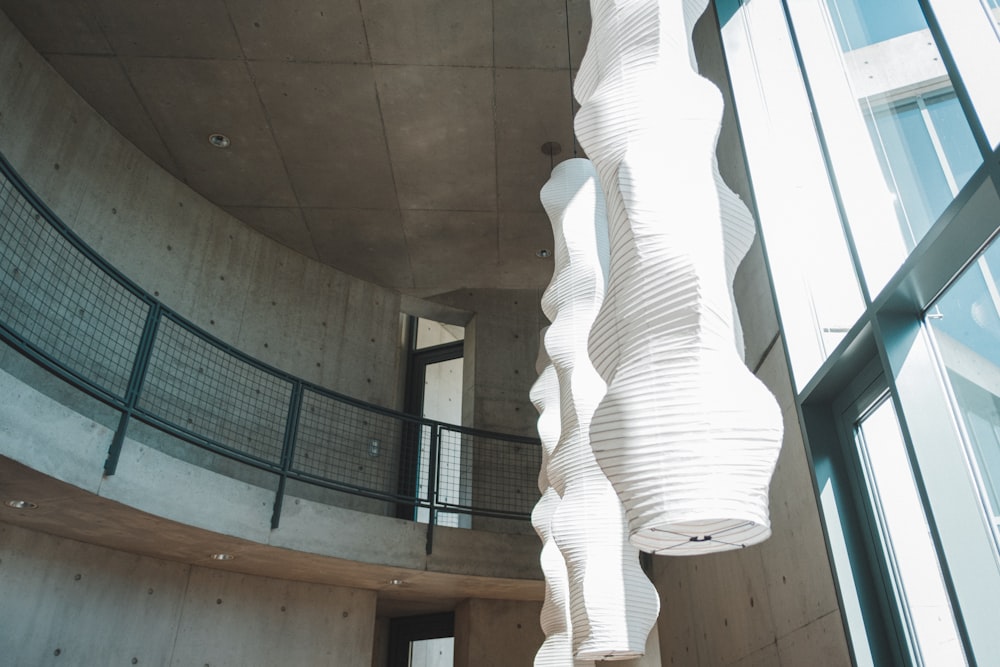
(613, 605)
(557, 649)
(686, 434)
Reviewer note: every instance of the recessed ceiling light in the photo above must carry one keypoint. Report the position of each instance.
(395, 582)
(543, 253)
(221, 556)
(219, 140)
(21, 504)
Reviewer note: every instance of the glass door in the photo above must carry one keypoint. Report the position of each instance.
(433, 391)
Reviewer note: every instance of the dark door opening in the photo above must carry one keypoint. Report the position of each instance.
(422, 641)
(433, 391)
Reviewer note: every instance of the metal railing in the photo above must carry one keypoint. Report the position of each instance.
(67, 309)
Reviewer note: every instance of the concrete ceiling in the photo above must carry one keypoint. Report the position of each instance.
(397, 140)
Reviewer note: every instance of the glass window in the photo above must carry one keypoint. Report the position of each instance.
(431, 333)
(909, 552)
(434, 389)
(815, 282)
(898, 142)
(443, 403)
(966, 326)
(970, 27)
(862, 23)
(925, 150)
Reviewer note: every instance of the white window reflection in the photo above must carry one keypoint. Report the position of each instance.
(863, 23)
(910, 552)
(898, 141)
(970, 27)
(926, 152)
(814, 279)
(966, 326)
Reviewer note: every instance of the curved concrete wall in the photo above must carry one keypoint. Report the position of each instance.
(261, 297)
(272, 303)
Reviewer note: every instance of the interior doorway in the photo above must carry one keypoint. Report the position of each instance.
(434, 385)
(422, 641)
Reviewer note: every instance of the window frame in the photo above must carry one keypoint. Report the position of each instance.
(890, 340)
(417, 361)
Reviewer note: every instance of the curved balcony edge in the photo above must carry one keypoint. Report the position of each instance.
(158, 505)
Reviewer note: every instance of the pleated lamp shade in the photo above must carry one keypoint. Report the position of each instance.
(544, 396)
(613, 605)
(557, 649)
(686, 434)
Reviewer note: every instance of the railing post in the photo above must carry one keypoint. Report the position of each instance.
(287, 450)
(432, 485)
(139, 367)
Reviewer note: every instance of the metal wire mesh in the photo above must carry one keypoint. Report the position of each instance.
(65, 304)
(488, 474)
(206, 390)
(54, 296)
(346, 443)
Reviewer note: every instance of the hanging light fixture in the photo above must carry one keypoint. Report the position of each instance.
(685, 433)
(613, 605)
(557, 649)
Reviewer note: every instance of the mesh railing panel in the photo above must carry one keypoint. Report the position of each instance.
(56, 298)
(489, 474)
(348, 444)
(195, 385)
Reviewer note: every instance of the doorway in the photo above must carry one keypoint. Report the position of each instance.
(434, 383)
(422, 641)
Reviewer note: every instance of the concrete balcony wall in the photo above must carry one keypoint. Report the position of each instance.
(276, 305)
(57, 442)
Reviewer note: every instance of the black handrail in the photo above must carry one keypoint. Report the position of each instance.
(260, 416)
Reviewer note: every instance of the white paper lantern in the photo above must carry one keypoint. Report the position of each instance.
(557, 649)
(544, 396)
(613, 605)
(686, 434)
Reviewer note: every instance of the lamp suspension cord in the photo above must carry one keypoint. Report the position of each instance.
(569, 70)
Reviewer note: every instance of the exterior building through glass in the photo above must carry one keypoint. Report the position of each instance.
(871, 130)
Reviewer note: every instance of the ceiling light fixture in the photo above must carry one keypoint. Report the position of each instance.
(543, 253)
(21, 504)
(716, 442)
(222, 556)
(588, 525)
(219, 140)
(396, 582)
